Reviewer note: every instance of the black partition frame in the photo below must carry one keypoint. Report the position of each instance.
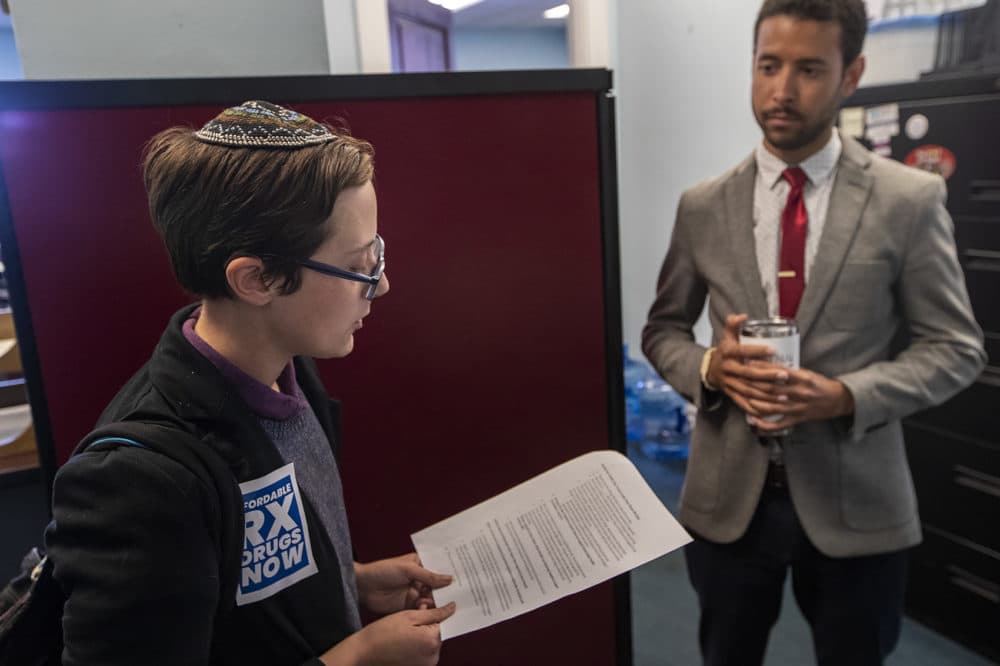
(58, 95)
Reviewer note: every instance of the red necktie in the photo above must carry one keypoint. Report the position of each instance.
(794, 223)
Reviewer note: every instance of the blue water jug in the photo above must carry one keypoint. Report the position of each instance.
(637, 374)
(666, 431)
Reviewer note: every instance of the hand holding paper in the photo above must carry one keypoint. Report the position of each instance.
(397, 583)
(565, 530)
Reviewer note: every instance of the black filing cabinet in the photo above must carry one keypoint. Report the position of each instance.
(954, 449)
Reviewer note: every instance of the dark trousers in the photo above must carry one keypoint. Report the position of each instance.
(854, 605)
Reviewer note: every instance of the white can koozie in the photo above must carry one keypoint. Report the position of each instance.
(781, 335)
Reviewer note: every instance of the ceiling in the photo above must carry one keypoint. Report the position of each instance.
(507, 14)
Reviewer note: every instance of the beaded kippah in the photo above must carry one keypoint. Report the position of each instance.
(258, 124)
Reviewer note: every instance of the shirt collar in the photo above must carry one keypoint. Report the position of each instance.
(818, 167)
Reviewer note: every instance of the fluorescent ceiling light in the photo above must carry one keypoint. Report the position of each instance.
(557, 12)
(455, 5)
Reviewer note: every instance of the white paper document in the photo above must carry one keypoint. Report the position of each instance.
(565, 530)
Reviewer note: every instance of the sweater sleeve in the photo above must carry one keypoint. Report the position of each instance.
(134, 555)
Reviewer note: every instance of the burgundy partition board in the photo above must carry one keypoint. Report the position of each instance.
(493, 358)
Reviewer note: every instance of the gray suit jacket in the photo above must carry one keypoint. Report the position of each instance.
(885, 311)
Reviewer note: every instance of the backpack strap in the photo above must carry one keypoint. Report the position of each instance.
(117, 440)
(197, 456)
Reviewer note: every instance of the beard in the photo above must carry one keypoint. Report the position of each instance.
(807, 131)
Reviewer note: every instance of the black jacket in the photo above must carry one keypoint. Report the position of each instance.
(137, 539)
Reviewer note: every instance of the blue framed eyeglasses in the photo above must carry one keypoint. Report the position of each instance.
(371, 280)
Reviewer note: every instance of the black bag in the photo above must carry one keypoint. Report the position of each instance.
(31, 607)
(31, 604)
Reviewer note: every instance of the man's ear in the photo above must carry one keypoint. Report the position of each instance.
(852, 76)
(245, 276)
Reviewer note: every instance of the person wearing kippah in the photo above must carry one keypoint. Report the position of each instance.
(270, 220)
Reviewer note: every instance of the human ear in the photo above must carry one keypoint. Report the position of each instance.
(852, 76)
(245, 277)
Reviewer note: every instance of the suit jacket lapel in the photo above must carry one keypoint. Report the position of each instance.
(847, 202)
(739, 217)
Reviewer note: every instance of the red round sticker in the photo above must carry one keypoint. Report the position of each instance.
(936, 159)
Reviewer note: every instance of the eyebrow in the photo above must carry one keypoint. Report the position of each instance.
(362, 248)
(801, 61)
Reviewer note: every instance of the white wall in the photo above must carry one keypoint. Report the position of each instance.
(374, 50)
(177, 38)
(899, 50)
(587, 31)
(342, 28)
(509, 48)
(683, 87)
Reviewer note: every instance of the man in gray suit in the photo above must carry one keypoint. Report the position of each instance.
(860, 251)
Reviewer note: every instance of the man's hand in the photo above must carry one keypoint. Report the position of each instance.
(807, 396)
(398, 583)
(745, 372)
(762, 388)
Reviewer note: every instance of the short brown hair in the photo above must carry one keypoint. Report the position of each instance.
(213, 203)
(850, 15)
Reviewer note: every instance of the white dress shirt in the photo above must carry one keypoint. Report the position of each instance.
(770, 192)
